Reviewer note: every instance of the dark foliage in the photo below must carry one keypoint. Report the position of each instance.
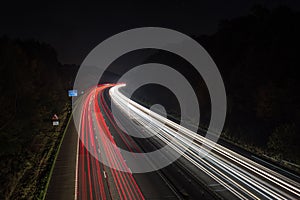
(31, 92)
(259, 59)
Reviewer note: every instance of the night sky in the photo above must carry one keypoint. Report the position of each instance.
(74, 29)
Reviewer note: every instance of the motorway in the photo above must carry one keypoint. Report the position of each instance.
(99, 181)
(204, 170)
(96, 181)
(238, 175)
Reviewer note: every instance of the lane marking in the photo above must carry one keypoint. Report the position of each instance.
(274, 166)
(76, 170)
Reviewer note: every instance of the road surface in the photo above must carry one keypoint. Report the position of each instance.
(99, 181)
(236, 174)
(204, 170)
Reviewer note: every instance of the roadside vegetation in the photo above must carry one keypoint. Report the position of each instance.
(31, 92)
(258, 57)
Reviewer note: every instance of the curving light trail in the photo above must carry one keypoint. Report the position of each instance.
(242, 177)
(97, 181)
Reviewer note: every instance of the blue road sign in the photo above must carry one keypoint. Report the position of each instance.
(72, 93)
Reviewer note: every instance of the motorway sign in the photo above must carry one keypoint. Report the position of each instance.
(72, 93)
